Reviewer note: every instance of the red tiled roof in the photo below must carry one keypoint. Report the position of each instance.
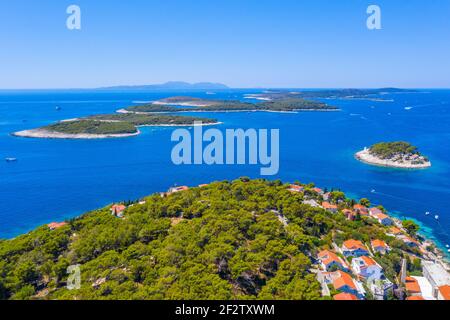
(56, 225)
(378, 243)
(345, 296)
(118, 208)
(328, 256)
(381, 216)
(318, 190)
(412, 285)
(415, 298)
(327, 205)
(368, 261)
(445, 292)
(395, 230)
(375, 211)
(354, 244)
(344, 280)
(296, 187)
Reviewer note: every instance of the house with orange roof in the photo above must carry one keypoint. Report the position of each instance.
(374, 210)
(343, 282)
(379, 246)
(318, 190)
(354, 248)
(330, 260)
(394, 231)
(410, 242)
(203, 185)
(362, 210)
(178, 189)
(444, 292)
(415, 298)
(296, 188)
(412, 287)
(329, 207)
(345, 296)
(383, 219)
(117, 210)
(365, 267)
(56, 225)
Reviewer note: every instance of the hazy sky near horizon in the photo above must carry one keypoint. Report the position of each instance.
(242, 43)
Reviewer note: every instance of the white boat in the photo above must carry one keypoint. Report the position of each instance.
(373, 191)
(11, 159)
(447, 246)
(58, 108)
(408, 108)
(427, 213)
(436, 217)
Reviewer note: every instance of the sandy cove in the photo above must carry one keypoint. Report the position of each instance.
(366, 157)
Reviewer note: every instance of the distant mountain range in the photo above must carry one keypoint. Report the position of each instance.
(172, 85)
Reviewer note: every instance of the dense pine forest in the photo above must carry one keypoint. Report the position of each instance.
(245, 239)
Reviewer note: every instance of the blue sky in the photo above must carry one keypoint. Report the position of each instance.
(242, 43)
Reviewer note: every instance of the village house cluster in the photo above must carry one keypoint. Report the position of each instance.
(351, 269)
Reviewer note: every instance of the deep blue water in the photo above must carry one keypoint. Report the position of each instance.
(58, 179)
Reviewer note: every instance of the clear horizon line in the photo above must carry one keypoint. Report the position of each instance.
(229, 88)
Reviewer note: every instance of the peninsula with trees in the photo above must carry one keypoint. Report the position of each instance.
(231, 240)
(397, 154)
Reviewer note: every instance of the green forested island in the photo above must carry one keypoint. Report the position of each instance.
(91, 127)
(246, 239)
(109, 125)
(390, 150)
(195, 104)
(398, 154)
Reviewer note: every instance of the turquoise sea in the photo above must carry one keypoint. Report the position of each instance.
(58, 179)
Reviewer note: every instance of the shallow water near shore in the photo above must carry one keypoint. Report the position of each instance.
(57, 179)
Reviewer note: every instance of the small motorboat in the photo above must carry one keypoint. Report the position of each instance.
(408, 108)
(427, 213)
(10, 159)
(447, 246)
(58, 108)
(436, 217)
(373, 191)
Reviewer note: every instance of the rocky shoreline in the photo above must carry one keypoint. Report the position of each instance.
(46, 134)
(366, 157)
